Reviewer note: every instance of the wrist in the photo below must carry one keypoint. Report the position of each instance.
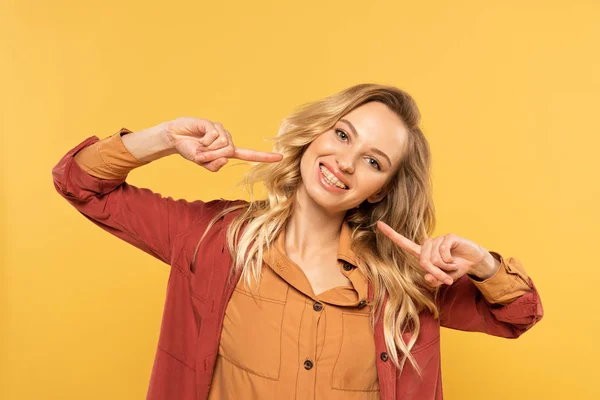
(165, 132)
(149, 144)
(486, 268)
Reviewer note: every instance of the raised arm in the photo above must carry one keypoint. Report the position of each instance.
(480, 290)
(506, 304)
(92, 178)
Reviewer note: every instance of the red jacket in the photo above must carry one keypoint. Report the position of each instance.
(198, 291)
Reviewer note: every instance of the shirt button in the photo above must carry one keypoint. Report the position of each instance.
(317, 306)
(362, 304)
(348, 267)
(384, 356)
(308, 364)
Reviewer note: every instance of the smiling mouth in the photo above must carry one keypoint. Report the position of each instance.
(331, 179)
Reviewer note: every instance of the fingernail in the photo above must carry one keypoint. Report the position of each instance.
(448, 281)
(201, 158)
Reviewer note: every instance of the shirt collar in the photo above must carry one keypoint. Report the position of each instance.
(345, 251)
(278, 260)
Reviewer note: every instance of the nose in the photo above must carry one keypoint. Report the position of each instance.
(345, 163)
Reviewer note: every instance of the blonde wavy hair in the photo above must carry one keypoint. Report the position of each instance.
(407, 208)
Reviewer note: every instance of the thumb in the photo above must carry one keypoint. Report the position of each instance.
(215, 165)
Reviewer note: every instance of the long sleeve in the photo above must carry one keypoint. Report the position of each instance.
(507, 284)
(506, 304)
(138, 216)
(108, 158)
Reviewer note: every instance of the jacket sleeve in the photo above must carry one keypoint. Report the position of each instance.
(91, 177)
(506, 304)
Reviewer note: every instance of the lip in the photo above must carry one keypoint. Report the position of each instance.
(337, 174)
(326, 185)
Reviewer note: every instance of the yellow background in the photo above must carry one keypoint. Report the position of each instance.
(509, 95)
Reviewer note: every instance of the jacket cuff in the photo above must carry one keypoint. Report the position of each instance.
(508, 283)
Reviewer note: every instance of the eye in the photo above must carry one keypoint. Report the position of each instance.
(375, 164)
(344, 133)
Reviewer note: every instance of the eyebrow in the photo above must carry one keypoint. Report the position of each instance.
(373, 149)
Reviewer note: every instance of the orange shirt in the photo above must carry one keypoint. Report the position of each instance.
(288, 341)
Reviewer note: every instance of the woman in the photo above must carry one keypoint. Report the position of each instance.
(328, 289)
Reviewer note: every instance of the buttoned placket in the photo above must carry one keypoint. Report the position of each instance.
(313, 320)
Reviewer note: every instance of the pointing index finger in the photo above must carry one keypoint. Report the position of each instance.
(253, 155)
(400, 240)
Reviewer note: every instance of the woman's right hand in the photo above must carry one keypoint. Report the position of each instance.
(208, 144)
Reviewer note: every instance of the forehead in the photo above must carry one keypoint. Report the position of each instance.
(380, 127)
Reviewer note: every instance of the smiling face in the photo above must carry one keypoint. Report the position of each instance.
(363, 150)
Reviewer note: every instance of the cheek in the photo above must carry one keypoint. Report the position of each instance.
(371, 182)
(321, 146)
(307, 161)
(326, 141)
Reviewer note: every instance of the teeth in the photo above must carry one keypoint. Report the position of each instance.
(331, 178)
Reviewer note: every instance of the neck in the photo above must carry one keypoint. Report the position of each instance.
(310, 230)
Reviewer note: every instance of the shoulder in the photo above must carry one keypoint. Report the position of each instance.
(204, 211)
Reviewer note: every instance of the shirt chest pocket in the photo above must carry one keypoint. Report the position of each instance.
(355, 368)
(252, 328)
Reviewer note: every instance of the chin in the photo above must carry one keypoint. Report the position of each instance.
(327, 202)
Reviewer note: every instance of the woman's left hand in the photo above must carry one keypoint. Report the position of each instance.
(446, 258)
